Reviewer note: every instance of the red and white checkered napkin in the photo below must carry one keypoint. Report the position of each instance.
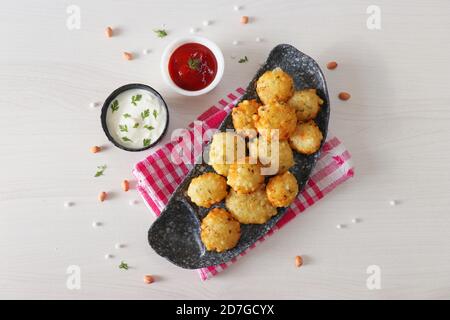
(158, 177)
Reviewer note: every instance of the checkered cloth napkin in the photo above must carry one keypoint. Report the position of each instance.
(158, 177)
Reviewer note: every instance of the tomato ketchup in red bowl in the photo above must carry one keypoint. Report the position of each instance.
(192, 66)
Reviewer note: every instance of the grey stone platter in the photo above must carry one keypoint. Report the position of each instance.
(175, 235)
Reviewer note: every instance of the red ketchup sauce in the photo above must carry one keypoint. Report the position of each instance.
(192, 66)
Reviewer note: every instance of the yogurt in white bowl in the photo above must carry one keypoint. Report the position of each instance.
(134, 117)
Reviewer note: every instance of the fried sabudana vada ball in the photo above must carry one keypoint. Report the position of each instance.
(282, 189)
(207, 189)
(307, 138)
(244, 176)
(224, 150)
(306, 103)
(261, 149)
(243, 117)
(252, 207)
(219, 230)
(276, 115)
(275, 85)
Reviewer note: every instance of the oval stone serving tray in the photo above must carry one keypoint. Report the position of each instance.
(175, 235)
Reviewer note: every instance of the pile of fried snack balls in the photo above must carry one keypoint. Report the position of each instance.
(283, 118)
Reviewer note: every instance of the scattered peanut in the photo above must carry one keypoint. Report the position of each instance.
(149, 279)
(95, 149)
(125, 185)
(109, 32)
(244, 19)
(332, 65)
(102, 196)
(298, 261)
(344, 96)
(68, 204)
(128, 56)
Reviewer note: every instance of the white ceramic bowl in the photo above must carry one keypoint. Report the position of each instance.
(177, 43)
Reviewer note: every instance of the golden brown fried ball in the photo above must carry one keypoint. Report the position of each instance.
(275, 85)
(224, 150)
(282, 189)
(307, 138)
(244, 176)
(219, 230)
(276, 115)
(306, 103)
(207, 189)
(261, 149)
(243, 117)
(250, 207)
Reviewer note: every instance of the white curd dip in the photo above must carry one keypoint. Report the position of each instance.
(136, 118)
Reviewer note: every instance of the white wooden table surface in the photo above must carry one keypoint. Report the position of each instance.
(396, 126)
